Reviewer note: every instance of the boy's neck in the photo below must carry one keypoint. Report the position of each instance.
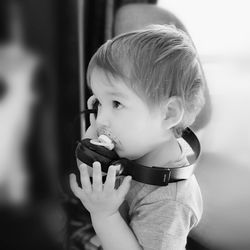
(167, 152)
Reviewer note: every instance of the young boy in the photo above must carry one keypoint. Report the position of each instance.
(149, 88)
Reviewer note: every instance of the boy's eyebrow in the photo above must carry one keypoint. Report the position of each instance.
(118, 94)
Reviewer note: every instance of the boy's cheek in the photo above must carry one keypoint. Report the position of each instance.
(123, 153)
(131, 149)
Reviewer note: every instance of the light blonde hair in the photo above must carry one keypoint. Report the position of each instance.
(157, 62)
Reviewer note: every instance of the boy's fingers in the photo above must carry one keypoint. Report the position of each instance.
(124, 187)
(90, 103)
(110, 179)
(92, 119)
(90, 246)
(74, 186)
(84, 176)
(97, 177)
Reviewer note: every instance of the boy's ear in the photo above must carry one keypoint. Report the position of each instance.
(172, 112)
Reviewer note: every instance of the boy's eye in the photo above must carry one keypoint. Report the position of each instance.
(116, 104)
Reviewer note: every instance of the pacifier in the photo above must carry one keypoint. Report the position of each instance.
(104, 141)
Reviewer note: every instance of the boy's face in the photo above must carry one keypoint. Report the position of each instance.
(125, 117)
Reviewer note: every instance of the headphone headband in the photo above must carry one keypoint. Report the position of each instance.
(88, 153)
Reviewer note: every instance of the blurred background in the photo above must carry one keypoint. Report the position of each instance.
(220, 32)
(45, 47)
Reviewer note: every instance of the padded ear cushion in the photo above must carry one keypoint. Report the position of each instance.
(89, 153)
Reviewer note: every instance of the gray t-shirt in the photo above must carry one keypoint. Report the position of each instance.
(162, 217)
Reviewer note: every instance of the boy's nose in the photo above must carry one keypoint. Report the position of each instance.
(102, 118)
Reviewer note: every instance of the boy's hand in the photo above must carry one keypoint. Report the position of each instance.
(101, 200)
(92, 130)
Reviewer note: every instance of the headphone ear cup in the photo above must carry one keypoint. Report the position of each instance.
(89, 153)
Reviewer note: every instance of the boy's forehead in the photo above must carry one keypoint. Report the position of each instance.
(102, 82)
(100, 76)
(108, 77)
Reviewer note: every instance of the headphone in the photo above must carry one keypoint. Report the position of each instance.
(88, 153)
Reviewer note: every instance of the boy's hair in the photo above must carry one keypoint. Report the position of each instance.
(157, 62)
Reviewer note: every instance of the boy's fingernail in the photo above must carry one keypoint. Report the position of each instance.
(97, 163)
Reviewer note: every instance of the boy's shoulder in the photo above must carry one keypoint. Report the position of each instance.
(162, 217)
(184, 193)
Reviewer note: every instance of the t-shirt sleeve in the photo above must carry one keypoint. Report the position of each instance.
(162, 225)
